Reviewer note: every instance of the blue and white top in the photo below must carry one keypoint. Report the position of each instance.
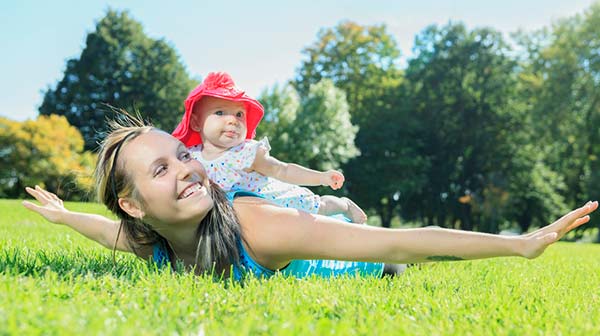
(296, 268)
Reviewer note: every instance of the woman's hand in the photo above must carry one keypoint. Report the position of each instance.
(51, 207)
(534, 243)
(100, 229)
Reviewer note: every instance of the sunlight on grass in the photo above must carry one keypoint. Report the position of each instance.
(53, 281)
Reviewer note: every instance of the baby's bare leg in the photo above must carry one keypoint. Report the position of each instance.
(331, 205)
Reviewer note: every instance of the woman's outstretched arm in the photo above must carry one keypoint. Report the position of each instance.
(276, 235)
(95, 227)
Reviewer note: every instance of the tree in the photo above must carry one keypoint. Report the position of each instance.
(363, 62)
(122, 67)
(535, 191)
(461, 86)
(390, 171)
(47, 152)
(360, 60)
(314, 131)
(562, 69)
(281, 106)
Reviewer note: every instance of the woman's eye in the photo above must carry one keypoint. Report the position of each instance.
(219, 113)
(160, 170)
(186, 156)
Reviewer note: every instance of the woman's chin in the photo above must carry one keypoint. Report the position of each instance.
(201, 209)
(190, 218)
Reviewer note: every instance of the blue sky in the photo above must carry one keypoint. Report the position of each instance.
(258, 42)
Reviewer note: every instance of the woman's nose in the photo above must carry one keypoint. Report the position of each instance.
(183, 171)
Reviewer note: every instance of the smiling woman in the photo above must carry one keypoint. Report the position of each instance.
(169, 208)
(183, 204)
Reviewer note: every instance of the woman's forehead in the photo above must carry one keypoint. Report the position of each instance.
(147, 147)
(155, 137)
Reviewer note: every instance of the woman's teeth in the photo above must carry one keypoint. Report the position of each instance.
(189, 191)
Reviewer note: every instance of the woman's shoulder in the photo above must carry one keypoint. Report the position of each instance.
(247, 200)
(262, 229)
(248, 206)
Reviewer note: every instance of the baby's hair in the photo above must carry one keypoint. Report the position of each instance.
(217, 233)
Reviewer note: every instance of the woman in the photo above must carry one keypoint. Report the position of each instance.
(169, 209)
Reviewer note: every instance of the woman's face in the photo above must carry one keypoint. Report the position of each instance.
(173, 186)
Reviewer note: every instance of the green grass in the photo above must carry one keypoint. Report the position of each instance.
(55, 282)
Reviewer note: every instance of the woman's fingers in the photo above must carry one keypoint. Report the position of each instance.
(37, 194)
(50, 207)
(573, 218)
(33, 207)
(43, 195)
(46, 193)
(578, 222)
(577, 217)
(568, 222)
(588, 208)
(48, 211)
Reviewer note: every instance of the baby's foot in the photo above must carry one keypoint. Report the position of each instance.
(355, 213)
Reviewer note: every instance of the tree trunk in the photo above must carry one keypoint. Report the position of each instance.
(467, 221)
(385, 213)
(525, 221)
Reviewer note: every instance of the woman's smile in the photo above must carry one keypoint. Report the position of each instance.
(195, 189)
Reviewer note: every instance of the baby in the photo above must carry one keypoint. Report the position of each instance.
(218, 127)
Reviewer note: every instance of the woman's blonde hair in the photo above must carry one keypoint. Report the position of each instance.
(218, 233)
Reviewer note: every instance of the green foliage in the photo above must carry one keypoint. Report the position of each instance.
(391, 169)
(56, 282)
(314, 130)
(563, 63)
(461, 85)
(47, 152)
(534, 190)
(471, 134)
(362, 61)
(122, 67)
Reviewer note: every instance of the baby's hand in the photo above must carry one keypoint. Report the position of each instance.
(333, 178)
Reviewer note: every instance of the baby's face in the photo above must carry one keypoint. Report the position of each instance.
(221, 123)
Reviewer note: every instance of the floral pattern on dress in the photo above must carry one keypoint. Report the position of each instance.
(229, 172)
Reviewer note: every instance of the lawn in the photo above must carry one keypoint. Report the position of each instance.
(55, 282)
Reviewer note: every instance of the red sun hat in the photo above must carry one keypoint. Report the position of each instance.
(218, 85)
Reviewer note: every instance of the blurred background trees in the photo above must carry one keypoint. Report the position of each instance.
(475, 132)
(119, 66)
(47, 152)
(313, 130)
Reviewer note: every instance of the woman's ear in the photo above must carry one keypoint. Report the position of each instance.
(131, 207)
